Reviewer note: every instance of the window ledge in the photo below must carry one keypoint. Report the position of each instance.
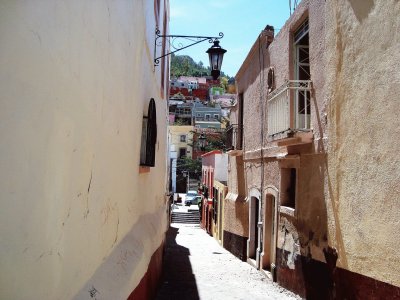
(144, 169)
(287, 211)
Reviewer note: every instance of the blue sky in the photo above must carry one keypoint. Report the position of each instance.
(241, 21)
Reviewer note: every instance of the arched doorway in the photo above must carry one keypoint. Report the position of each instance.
(254, 242)
(268, 256)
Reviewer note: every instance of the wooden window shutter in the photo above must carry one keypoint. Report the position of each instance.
(149, 136)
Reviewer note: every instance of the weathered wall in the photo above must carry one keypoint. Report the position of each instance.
(75, 214)
(363, 161)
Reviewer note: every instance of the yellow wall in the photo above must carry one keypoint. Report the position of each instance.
(75, 214)
(222, 192)
(363, 161)
(175, 132)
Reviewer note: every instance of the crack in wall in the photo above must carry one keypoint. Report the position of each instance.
(116, 234)
(87, 196)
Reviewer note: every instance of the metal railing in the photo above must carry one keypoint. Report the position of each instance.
(234, 137)
(289, 107)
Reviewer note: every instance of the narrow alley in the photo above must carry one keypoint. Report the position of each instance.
(197, 267)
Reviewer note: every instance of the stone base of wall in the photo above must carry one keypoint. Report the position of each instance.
(235, 244)
(312, 279)
(148, 286)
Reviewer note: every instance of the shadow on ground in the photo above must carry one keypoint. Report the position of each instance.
(177, 281)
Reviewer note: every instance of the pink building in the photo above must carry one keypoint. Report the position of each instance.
(215, 166)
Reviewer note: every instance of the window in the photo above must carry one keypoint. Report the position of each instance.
(271, 79)
(288, 187)
(182, 152)
(183, 138)
(149, 136)
(207, 116)
(302, 72)
(216, 116)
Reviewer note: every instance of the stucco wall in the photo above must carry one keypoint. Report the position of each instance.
(363, 161)
(221, 167)
(175, 133)
(75, 214)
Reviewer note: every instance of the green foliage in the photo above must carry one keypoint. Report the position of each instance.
(224, 82)
(215, 141)
(191, 165)
(184, 65)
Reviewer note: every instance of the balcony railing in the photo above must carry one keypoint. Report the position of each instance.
(234, 137)
(289, 108)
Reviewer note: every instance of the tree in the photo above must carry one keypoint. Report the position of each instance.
(193, 166)
(224, 82)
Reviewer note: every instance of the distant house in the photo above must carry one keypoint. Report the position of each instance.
(190, 88)
(216, 90)
(204, 116)
(180, 146)
(180, 113)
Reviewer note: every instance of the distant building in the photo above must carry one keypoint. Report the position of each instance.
(189, 88)
(180, 146)
(204, 116)
(214, 168)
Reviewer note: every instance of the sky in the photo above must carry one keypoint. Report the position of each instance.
(241, 21)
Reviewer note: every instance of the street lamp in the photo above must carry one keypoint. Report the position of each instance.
(216, 54)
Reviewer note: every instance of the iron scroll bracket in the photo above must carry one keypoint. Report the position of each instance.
(174, 42)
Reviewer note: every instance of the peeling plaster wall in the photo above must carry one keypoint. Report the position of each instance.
(364, 164)
(76, 217)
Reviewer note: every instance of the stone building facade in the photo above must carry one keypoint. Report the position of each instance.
(320, 172)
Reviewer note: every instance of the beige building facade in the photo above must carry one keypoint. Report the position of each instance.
(220, 192)
(79, 217)
(236, 208)
(320, 167)
(181, 140)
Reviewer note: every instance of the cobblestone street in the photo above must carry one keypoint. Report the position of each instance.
(197, 267)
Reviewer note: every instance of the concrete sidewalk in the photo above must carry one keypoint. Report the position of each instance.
(197, 267)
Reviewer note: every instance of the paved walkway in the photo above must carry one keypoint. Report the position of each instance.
(197, 267)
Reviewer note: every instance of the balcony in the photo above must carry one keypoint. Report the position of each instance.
(289, 109)
(234, 138)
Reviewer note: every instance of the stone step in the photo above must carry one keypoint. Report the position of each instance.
(183, 217)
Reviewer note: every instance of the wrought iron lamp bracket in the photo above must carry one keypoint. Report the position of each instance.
(174, 42)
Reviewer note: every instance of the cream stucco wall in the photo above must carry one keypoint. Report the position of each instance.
(364, 164)
(175, 133)
(75, 213)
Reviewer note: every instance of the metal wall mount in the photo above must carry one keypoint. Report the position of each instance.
(176, 42)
